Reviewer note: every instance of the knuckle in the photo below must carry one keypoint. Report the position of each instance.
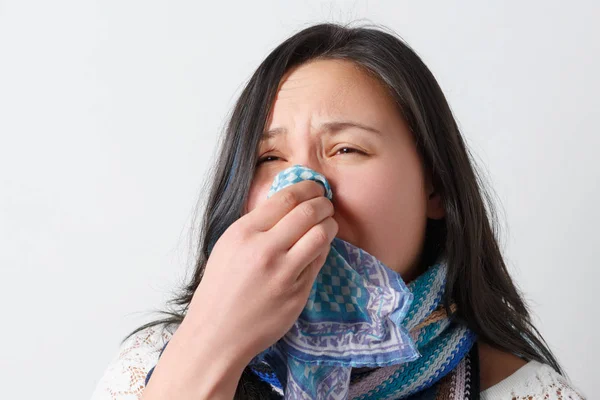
(297, 286)
(289, 199)
(261, 257)
(275, 288)
(320, 236)
(308, 210)
(326, 205)
(239, 233)
(281, 287)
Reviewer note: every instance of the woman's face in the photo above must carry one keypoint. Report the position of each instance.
(381, 195)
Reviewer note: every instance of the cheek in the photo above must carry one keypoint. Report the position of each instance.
(384, 212)
(384, 204)
(256, 195)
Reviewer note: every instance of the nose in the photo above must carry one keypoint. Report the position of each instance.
(308, 158)
(312, 160)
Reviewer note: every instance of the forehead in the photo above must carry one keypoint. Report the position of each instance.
(330, 89)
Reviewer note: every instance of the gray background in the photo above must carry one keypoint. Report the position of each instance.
(109, 117)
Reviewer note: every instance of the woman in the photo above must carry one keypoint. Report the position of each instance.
(360, 107)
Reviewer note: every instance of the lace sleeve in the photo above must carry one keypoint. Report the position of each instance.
(550, 385)
(125, 375)
(531, 382)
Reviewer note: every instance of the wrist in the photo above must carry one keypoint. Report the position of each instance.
(220, 364)
(200, 367)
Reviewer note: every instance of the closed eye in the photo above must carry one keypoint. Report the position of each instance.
(349, 150)
(265, 159)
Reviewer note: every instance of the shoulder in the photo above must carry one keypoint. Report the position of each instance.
(520, 379)
(124, 377)
(495, 364)
(533, 381)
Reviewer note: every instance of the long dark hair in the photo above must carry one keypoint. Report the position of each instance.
(487, 300)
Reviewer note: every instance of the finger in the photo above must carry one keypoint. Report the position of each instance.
(319, 237)
(267, 214)
(307, 277)
(299, 221)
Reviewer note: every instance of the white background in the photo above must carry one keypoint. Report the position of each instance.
(109, 117)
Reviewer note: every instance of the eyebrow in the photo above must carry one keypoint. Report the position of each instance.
(327, 127)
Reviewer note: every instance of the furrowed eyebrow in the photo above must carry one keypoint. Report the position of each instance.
(330, 128)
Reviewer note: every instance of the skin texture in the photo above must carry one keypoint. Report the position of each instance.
(382, 195)
(495, 365)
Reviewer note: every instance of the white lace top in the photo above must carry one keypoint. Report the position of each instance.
(125, 376)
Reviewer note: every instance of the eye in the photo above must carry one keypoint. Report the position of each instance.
(344, 150)
(349, 150)
(265, 159)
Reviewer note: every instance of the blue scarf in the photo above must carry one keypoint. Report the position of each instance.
(361, 314)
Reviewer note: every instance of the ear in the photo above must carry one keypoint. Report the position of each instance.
(435, 208)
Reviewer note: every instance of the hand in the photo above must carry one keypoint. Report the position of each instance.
(260, 272)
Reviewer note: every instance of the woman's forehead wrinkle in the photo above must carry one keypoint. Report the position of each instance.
(291, 86)
(316, 94)
(293, 97)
